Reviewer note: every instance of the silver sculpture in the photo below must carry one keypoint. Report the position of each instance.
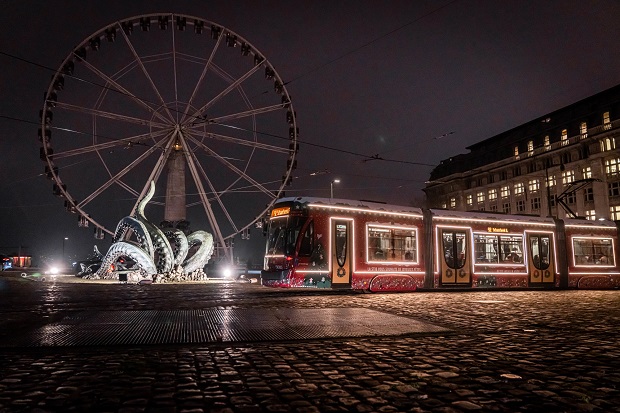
(156, 255)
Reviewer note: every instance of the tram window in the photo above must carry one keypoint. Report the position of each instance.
(593, 251)
(498, 249)
(486, 248)
(512, 248)
(454, 249)
(306, 247)
(283, 233)
(392, 244)
(539, 250)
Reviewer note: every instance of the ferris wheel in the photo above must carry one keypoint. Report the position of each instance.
(177, 100)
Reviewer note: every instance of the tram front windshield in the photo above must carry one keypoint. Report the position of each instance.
(282, 236)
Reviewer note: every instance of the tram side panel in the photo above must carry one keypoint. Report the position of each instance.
(592, 254)
(478, 250)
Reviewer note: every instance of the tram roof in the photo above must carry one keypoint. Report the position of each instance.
(351, 203)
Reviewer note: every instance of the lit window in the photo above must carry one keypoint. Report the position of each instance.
(583, 130)
(505, 192)
(593, 251)
(551, 180)
(492, 194)
(533, 185)
(530, 148)
(391, 244)
(453, 203)
(608, 144)
(517, 152)
(568, 177)
(444, 205)
(614, 212)
(519, 188)
(591, 215)
(587, 172)
(612, 167)
(547, 143)
(606, 121)
(564, 138)
(480, 197)
(470, 199)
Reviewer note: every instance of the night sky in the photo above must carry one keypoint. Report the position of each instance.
(411, 83)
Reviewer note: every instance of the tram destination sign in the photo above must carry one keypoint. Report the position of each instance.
(278, 212)
(497, 229)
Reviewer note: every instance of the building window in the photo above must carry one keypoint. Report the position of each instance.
(519, 188)
(521, 205)
(583, 130)
(506, 208)
(530, 148)
(586, 172)
(503, 175)
(606, 121)
(564, 137)
(452, 203)
(493, 208)
(492, 194)
(505, 191)
(614, 189)
(491, 178)
(608, 144)
(551, 181)
(614, 212)
(444, 205)
(571, 198)
(533, 185)
(516, 171)
(612, 167)
(589, 195)
(480, 197)
(568, 177)
(535, 204)
(516, 152)
(547, 143)
(552, 201)
(591, 215)
(470, 199)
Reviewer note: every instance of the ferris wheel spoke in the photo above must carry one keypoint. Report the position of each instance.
(157, 170)
(124, 91)
(245, 114)
(124, 142)
(243, 142)
(203, 195)
(146, 73)
(174, 66)
(201, 78)
(109, 115)
(115, 179)
(226, 91)
(232, 167)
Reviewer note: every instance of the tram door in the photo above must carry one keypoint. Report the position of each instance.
(540, 267)
(455, 267)
(341, 254)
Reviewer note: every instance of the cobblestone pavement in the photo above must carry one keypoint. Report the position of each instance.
(518, 351)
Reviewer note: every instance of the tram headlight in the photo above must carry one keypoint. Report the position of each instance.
(227, 272)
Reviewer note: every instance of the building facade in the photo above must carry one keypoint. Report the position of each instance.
(562, 164)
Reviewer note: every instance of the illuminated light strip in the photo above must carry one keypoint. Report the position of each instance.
(505, 222)
(593, 273)
(312, 271)
(375, 211)
(417, 245)
(589, 226)
(275, 256)
(500, 273)
(391, 272)
(555, 250)
(613, 251)
(352, 237)
(278, 217)
(482, 264)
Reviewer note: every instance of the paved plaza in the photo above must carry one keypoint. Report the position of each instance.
(68, 345)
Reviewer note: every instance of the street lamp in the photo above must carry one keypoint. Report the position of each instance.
(331, 187)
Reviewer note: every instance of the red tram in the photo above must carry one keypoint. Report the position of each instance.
(335, 243)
